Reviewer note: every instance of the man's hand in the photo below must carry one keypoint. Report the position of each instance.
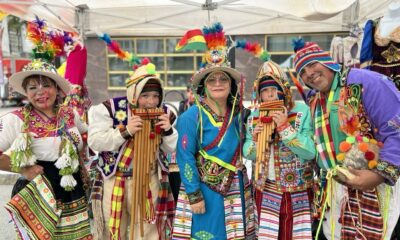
(31, 172)
(364, 179)
(135, 123)
(198, 208)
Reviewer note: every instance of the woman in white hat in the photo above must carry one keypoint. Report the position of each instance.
(41, 141)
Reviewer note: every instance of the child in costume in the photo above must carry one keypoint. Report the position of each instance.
(283, 190)
(113, 126)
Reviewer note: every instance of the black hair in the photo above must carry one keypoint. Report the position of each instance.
(38, 78)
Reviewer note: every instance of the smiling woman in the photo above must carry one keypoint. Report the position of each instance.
(215, 199)
(52, 174)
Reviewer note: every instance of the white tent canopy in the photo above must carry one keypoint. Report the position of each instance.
(174, 17)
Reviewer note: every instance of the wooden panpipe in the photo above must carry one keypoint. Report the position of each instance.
(264, 138)
(146, 142)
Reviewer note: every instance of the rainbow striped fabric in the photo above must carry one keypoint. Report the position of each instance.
(311, 52)
(192, 40)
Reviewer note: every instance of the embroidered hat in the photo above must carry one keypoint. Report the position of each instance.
(38, 67)
(270, 74)
(216, 56)
(267, 82)
(48, 44)
(143, 77)
(308, 52)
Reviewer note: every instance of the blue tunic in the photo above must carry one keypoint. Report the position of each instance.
(210, 225)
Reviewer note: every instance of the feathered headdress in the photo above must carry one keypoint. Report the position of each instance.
(48, 43)
(142, 69)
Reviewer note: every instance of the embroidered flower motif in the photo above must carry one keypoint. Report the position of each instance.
(290, 178)
(188, 172)
(122, 103)
(184, 141)
(120, 115)
(393, 123)
(298, 120)
(204, 235)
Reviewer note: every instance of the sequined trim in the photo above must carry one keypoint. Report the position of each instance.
(388, 171)
(195, 197)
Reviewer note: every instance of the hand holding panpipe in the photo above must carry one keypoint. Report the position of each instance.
(146, 142)
(264, 137)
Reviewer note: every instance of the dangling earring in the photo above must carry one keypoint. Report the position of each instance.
(59, 100)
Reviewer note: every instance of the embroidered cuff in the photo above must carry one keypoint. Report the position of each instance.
(195, 197)
(282, 126)
(287, 133)
(168, 133)
(125, 133)
(388, 171)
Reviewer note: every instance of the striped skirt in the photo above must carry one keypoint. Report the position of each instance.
(44, 210)
(283, 216)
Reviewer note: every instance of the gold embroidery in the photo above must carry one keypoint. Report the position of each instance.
(392, 54)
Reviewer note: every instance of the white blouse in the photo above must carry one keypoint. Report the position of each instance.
(102, 136)
(45, 139)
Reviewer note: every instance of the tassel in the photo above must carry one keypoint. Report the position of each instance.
(63, 162)
(98, 225)
(150, 213)
(68, 182)
(21, 142)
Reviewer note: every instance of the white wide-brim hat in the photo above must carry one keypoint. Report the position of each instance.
(38, 67)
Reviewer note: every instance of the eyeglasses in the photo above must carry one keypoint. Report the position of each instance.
(223, 80)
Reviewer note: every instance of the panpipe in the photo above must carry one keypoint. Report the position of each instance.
(146, 142)
(264, 137)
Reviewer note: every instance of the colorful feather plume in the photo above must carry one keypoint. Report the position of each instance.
(115, 47)
(48, 43)
(298, 85)
(214, 36)
(254, 48)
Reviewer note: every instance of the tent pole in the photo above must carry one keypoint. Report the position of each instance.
(82, 20)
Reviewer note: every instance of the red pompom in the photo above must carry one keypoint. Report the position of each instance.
(152, 135)
(369, 155)
(158, 129)
(266, 119)
(145, 61)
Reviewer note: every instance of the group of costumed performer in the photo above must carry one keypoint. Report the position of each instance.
(52, 204)
(113, 126)
(283, 196)
(215, 198)
(355, 116)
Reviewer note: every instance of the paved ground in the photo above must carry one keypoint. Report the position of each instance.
(6, 227)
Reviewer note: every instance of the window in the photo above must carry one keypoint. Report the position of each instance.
(175, 68)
